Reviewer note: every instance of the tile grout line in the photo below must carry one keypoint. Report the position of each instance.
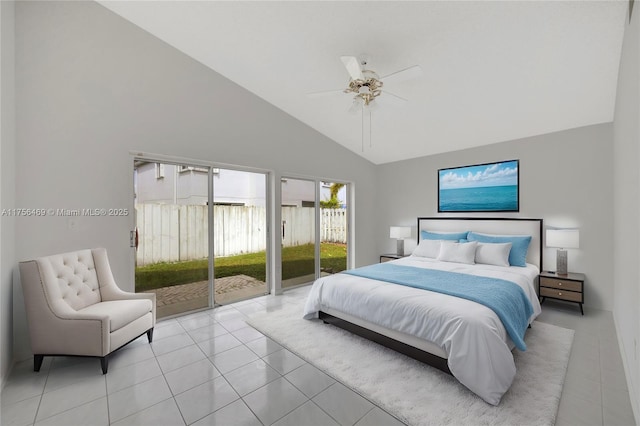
(335, 381)
(35, 415)
(70, 408)
(173, 397)
(310, 399)
(106, 389)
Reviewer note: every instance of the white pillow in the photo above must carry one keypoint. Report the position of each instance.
(493, 253)
(428, 248)
(458, 252)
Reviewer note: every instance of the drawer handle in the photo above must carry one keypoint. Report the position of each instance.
(559, 283)
(559, 293)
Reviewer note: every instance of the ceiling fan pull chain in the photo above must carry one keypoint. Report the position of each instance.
(370, 134)
(362, 125)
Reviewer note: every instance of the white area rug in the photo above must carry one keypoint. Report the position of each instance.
(421, 395)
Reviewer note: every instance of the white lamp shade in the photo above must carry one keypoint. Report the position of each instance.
(400, 232)
(563, 238)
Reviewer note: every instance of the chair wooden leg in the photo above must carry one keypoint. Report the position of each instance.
(104, 363)
(150, 335)
(37, 362)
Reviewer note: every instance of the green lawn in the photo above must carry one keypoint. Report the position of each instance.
(296, 261)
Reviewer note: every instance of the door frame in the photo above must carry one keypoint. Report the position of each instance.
(268, 206)
(210, 165)
(350, 222)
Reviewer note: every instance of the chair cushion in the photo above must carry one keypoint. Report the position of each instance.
(120, 312)
(76, 277)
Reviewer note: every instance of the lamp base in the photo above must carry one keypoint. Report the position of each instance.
(400, 249)
(561, 262)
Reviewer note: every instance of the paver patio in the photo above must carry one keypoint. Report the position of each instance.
(175, 299)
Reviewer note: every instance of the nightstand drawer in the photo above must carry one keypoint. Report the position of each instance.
(560, 284)
(570, 296)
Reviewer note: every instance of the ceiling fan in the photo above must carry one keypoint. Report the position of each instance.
(366, 87)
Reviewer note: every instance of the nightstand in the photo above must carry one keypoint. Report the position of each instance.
(388, 257)
(569, 287)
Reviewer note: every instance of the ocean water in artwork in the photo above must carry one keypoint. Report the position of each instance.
(486, 198)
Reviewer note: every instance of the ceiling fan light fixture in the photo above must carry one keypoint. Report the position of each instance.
(356, 105)
(365, 86)
(372, 106)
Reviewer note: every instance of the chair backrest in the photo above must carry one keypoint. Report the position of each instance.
(71, 276)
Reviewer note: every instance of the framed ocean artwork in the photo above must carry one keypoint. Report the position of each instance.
(491, 187)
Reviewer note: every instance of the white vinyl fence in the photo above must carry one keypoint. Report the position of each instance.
(170, 233)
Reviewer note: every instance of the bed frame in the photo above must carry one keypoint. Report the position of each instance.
(502, 226)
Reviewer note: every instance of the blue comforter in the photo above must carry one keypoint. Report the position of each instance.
(507, 299)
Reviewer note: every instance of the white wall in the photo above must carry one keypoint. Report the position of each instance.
(91, 86)
(565, 179)
(626, 131)
(7, 184)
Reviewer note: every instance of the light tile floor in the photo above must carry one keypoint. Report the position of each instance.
(595, 390)
(209, 368)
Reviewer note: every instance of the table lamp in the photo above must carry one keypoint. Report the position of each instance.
(400, 233)
(563, 239)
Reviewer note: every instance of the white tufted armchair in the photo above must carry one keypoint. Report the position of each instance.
(74, 307)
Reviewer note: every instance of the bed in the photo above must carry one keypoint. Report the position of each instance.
(459, 336)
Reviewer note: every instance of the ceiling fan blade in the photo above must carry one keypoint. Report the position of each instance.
(353, 67)
(388, 98)
(325, 93)
(402, 75)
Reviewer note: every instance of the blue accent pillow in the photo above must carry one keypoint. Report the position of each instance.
(519, 245)
(454, 236)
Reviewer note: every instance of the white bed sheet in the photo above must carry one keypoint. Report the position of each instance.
(477, 345)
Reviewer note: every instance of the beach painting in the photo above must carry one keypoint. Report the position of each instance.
(489, 187)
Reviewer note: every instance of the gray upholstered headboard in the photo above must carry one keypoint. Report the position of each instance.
(502, 226)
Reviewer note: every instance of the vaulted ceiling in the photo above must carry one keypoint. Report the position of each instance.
(492, 71)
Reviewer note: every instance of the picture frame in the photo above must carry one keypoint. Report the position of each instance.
(487, 187)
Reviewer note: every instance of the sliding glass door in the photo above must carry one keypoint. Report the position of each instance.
(172, 235)
(333, 227)
(314, 229)
(200, 234)
(298, 231)
(239, 235)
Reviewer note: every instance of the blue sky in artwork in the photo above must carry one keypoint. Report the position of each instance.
(496, 174)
